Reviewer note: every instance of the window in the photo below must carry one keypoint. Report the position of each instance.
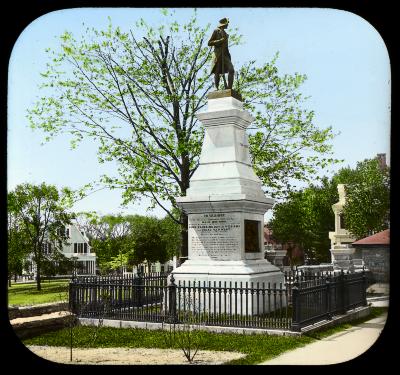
(251, 236)
(67, 232)
(46, 247)
(81, 248)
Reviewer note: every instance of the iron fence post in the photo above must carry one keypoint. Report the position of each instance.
(342, 294)
(139, 286)
(364, 288)
(172, 317)
(328, 298)
(296, 317)
(120, 292)
(72, 297)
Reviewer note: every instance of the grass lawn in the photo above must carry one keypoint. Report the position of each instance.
(258, 348)
(27, 294)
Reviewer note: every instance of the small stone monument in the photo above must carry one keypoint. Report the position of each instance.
(341, 249)
(225, 203)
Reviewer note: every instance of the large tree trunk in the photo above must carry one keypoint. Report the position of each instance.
(185, 173)
(38, 277)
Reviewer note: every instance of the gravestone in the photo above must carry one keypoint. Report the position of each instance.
(225, 203)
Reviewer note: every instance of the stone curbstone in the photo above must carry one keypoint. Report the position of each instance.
(35, 310)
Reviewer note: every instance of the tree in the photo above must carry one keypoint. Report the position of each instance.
(18, 244)
(137, 97)
(306, 218)
(41, 214)
(108, 236)
(150, 240)
(128, 240)
(367, 207)
(56, 263)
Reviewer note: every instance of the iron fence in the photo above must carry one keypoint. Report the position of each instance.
(301, 300)
(331, 295)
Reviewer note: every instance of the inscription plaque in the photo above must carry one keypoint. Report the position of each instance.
(215, 235)
(251, 236)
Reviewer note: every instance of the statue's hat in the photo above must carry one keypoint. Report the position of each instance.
(223, 22)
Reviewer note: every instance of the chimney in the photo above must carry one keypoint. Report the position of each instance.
(382, 160)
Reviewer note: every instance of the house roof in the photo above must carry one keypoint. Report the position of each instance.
(381, 238)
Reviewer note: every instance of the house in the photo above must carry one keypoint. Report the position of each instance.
(77, 248)
(375, 252)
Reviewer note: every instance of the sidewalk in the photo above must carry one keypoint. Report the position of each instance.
(340, 347)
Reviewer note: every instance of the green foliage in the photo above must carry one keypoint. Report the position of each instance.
(367, 207)
(128, 240)
(135, 93)
(17, 240)
(40, 214)
(307, 216)
(57, 263)
(285, 143)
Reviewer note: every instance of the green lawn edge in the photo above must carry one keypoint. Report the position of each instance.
(258, 347)
(23, 294)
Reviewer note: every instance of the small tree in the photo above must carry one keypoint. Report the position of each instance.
(150, 243)
(17, 241)
(367, 207)
(41, 214)
(306, 218)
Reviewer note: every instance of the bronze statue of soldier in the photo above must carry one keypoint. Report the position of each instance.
(222, 58)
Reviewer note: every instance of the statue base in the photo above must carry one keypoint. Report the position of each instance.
(224, 94)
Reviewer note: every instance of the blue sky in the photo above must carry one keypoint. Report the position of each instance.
(343, 56)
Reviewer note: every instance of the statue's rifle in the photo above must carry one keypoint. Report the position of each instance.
(223, 70)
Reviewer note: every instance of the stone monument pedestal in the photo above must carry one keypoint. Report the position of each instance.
(225, 205)
(342, 252)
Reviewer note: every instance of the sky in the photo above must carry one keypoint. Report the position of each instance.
(344, 57)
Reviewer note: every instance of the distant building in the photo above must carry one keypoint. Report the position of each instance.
(281, 254)
(154, 267)
(77, 248)
(375, 252)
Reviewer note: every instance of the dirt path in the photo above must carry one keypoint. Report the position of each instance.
(126, 356)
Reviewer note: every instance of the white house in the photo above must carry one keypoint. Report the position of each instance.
(77, 248)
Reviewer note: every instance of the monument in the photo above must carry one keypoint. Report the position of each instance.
(342, 251)
(225, 203)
